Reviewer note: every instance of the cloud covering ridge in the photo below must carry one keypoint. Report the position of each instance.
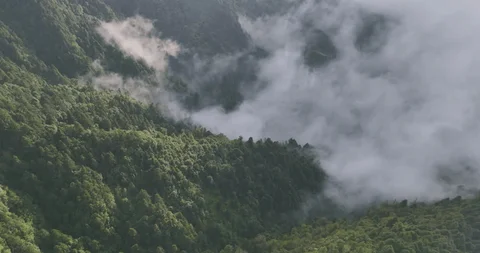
(397, 105)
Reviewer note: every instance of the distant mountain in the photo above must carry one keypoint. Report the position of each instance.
(57, 40)
(207, 26)
(89, 171)
(83, 170)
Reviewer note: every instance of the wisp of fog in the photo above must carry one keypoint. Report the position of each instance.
(137, 38)
(402, 121)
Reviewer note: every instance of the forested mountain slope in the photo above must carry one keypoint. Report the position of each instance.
(56, 39)
(89, 171)
(207, 26)
(96, 169)
(451, 225)
(98, 172)
(58, 34)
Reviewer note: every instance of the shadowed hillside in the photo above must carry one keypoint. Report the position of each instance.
(83, 170)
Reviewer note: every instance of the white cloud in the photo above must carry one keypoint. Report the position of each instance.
(134, 36)
(391, 117)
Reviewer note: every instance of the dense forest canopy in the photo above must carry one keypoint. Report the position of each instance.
(88, 170)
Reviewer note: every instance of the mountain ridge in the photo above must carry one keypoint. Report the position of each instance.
(83, 170)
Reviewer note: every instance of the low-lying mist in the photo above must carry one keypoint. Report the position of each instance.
(395, 100)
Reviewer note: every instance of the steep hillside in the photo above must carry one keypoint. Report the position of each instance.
(206, 26)
(56, 39)
(83, 170)
(70, 179)
(87, 170)
(451, 225)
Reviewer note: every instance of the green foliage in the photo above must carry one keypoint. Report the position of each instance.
(17, 233)
(55, 39)
(447, 226)
(87, 171)
(206, 26)
(107, 174)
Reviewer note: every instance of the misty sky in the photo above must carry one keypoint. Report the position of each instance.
(395, 118)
